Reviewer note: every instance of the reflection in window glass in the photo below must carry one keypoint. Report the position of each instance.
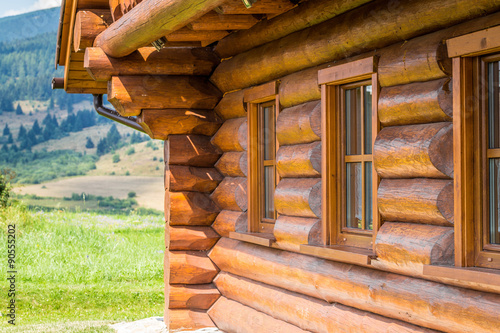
(353, 195)
(269, 192)
(368, 196)
(353, 121)
(368, 118)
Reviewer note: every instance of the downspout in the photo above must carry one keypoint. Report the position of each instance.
(115, 116)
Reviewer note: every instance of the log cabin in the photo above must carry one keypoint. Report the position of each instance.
(330, 165)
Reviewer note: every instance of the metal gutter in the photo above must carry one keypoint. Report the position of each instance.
(59, 31)
(115, 116)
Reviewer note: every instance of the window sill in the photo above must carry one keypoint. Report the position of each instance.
(346, 254)
(474, 275)
(263, 239)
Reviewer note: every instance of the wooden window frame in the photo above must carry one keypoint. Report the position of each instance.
(255, 98)
(331, 81)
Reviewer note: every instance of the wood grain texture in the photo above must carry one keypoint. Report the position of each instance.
(216, 21)
(299, 124)
(148, 61)
(192, 238)
(230, 221)
(192, 209)
(233, 164)
(407, 246)
(259, 7)
(187, 178)
(416, 103)
(419, 302)
(232, 135)
(335, 39)
(193, 297)
(291, 232)
(150, 21)
(183, 319)
(187, 35)
(161, 123)
(89, 24)
(306, 312)
(231, 194)
(231, 316)
(414, 151)
(298, 197)
(193, 150)
(305, 15)
(130, 94)
(191, 267)
(299, 161)
(231, 105)
(419, 200)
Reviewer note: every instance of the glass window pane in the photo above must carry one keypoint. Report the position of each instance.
(268, 132)
(353, 121)
(368, 196)
(353, 195)
(269, 192)
(494, 200)
(368, 118)
(493, 105)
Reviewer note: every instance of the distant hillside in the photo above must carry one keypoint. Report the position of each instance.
(27, 60)
(29, 25)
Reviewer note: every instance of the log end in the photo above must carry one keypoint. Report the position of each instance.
(230, 221)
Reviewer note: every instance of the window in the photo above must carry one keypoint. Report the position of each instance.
(349, 114)
(476, 128)
(262, 107)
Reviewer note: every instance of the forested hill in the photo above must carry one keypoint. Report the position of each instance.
(27, 59)
(29, 25)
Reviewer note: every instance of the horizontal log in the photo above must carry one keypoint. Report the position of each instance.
(193, 297)
(159, 124)
(298, 18)
(186, 178)
(231, 105)
(193, 150)
(191, 267)
(89, 24)
(315, 315)
(148, 61)
(259, 7)
(418, 200)
(299, 124)
(299, 160)
(231, 194)
(231, 316)
(232, 135)
(420, 302)
(230, 221)
(233, 164)
(416, 103)
(335, 39)
(298, 197)
(414, 151)
(182, 319)
(215, 21)
(406, 247)
(192, 208)
(130, 94)
(86, 4)
(187, 35)
(425, 58)
(192, 238)
(151, 21)
(291, 232)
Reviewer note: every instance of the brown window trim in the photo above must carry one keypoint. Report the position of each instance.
(259, 232)
(331, 79)
(468, 156)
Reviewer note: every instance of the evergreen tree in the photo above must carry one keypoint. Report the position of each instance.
(6, 105)
(22, 133)
(113, 137)
(102, 147)
(10, 139)
(19, 111)
(5, 149)
(6, 130)
(89, 144)
(36, 128)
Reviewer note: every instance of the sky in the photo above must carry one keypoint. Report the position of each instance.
(16, 7)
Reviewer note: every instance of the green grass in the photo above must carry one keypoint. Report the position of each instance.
(84, 267)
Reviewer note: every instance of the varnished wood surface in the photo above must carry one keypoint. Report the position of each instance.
(291, 232)
(299, 161)
(192, 238)
(231, 105)
(193, 297)
(193, 150)
(232, 135)
(298, 197)
(299, 124)
(230, 221)
(89, 24)
(233, 164)
(231, 194)
(416, 301)
(187, 178)
(192, 209)
(191, 267)
(187, 319)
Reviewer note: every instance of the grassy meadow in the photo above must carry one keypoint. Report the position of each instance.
(80, 271)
